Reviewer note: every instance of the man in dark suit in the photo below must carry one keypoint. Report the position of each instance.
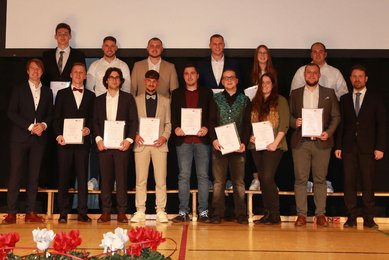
(73, 102)
(30, 111)
(312, 153)
(212, 67)
(190, 146)
(115, 105)
(59, 61)
(360, 143)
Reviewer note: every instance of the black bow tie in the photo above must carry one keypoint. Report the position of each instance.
(78, 89)
(151, 96)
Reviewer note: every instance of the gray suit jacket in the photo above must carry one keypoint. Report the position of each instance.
(331, 115)
(168, 80)
(163, 113)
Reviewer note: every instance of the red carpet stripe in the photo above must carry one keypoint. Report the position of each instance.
(184, 237)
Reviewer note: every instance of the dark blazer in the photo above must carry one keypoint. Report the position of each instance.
(66, 107)
(178, 101)
(21, 111)
(126, 112)
(51, 68)
(331, 115)
(207, 78)
(367, 131)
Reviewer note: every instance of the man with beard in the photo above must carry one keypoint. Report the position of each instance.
(168, 80)
(98, 68)
(312, 153)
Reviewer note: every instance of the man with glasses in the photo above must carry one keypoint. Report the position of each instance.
(229, 106)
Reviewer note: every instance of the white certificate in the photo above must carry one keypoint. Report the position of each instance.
(312, 125)
(191, 120)
(113, 134)
(263, 132)
(72, 130)
(251, 92)
(55, 86)
(149, 130)
(228, 138)
(217, 90)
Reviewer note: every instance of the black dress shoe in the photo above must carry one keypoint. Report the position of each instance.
(242, 220)
(63, 218)
(181, 218)
(350, 223)
(370, 223)
(263, 220)
(84, 218)
(215, 220)
(273, 219)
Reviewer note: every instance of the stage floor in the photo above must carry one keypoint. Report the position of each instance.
(230, 240)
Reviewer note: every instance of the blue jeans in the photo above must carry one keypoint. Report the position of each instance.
(185, 154)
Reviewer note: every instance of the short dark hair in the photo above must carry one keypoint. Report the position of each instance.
(191, 65)
(38, 62)
(63, 26)
(230, 69)
(358, 67)
(312, 65)
(154, 39)
(78, 64)
(152, 74)
(110, 38)
(320, 43)
(216, 35)
(108, 73)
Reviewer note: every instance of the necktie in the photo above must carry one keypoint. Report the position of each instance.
(151, 96)
(78, 89)
(60, 61)
(357, 102)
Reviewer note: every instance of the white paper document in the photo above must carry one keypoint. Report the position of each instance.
(191, 120)
(263, 132)
(72, 130)
(251, 92)
(113, 134)
(228, 138)
(217, 90)
(312, 125)
(56, 86)
(149, 130)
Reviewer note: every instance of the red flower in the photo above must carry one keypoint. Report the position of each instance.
(7, 243)
(144, 237)
(66, 242)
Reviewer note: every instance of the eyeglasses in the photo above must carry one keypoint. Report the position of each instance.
(226, 78)
(113, 78)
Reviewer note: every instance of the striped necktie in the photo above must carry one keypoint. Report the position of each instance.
(357, 102)
(60, 61)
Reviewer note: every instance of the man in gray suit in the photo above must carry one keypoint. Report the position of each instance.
(168, 80)
(312, 153)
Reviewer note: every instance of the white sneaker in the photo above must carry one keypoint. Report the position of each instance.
(330, 189)
(309, 186)
(255, 185)
(162, 217)
(139, 216)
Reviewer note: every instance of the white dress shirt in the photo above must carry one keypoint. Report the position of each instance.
(65, 55)
(363, 93)
(153, 66)
(330, 77)
(96, 72)
(311, 97)
(217, 68)
(78, 95)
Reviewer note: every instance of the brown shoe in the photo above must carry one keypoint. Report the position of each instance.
(321, 221)
(300, 221)
(105, 217)
(9, 219)
(122, 218)
(33, 218)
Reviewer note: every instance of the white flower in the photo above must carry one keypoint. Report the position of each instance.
(122, 234)
(43, 238)
(111, 242)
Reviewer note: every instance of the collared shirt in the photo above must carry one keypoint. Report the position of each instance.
(112, 106)
(78, 95)
(97, 71)
(361, 97)
(153, 66)
(36, 93)
(330, 77)
(151, 104)
(65, 55)
(217, 68)
(311, 97)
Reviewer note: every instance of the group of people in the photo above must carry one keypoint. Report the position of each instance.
(355, 126)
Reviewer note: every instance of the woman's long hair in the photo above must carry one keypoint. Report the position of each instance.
(256, 71)
(261, 107)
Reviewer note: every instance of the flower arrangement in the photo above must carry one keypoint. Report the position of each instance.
(144, 242)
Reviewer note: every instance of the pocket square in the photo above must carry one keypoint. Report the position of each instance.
(326, 98)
